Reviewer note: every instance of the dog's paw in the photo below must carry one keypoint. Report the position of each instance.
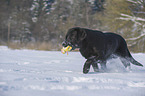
(85, 71)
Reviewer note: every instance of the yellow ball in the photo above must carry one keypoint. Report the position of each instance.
(63, 51)
(66, 49)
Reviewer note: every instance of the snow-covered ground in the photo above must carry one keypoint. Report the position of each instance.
(50, 73)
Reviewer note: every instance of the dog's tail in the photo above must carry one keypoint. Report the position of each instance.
(133, 61)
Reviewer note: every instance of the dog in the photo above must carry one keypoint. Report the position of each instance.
(98, 47)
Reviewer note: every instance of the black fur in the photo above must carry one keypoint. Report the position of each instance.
(98, 47)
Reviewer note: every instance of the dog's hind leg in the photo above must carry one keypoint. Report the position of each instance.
(124, 59)
(125, 62)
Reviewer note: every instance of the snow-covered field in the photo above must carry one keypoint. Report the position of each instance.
(50, 73)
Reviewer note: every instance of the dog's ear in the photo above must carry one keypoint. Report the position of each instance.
(82, 34)
(74, 34)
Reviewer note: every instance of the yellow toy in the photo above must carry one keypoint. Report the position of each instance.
(66, 49)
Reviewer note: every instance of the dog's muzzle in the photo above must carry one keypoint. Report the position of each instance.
(66, 43)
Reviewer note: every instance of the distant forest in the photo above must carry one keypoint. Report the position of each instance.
(42, 24)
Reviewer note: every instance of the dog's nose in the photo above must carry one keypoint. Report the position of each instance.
(64, 43)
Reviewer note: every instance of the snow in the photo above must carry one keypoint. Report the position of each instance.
(136, 2)
(132, 18)
(135, 38)
(50, 73)
(137, 22)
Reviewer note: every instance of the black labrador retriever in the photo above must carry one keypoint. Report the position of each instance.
(98, 47)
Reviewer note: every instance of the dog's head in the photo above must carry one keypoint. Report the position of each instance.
(74, 37)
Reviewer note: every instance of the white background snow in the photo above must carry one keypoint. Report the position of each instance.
(50, 73)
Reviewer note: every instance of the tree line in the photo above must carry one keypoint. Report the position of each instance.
(42, 24)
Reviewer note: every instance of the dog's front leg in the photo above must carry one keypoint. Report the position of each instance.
(95, 66)
(87, 66)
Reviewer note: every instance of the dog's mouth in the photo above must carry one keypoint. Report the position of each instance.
(66, 44)
(66, 49)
